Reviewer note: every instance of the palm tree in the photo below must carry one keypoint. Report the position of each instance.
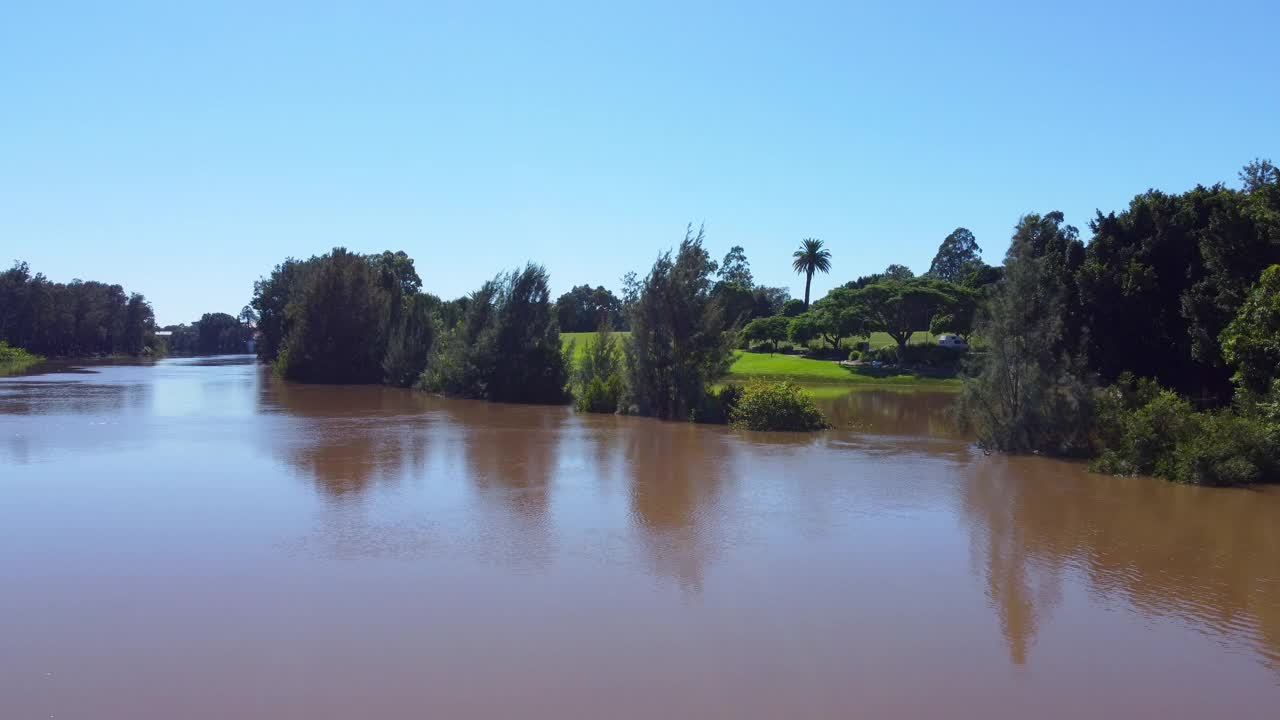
(808, 258)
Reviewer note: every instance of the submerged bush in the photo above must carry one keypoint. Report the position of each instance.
(679, 341)
(1145, 429)
(506, 347)
(14, 359)
(776, 406)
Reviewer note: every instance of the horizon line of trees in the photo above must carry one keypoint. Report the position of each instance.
(79, 318)
(214, 333)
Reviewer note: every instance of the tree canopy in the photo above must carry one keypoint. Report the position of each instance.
(584, 309)
(79, 318)
(677, 344)
(957, 257)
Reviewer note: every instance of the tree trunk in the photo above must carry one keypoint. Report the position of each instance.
(808, 278)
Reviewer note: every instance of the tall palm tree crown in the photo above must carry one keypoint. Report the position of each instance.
(810, 258)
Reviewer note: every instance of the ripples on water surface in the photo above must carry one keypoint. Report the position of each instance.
(195, 539)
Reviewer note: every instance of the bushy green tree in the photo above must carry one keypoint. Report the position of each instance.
(1251, 343)
(772, 330)
(272, 296)
(220, 334)
(1027, 393)
(735, 268)
(583, 308)
(831, 319)
(957, 313)
(776, 406)
(678, 342)
(898, 308)
(338, 325)
(736, 302)
(410, 340)
(507, 348)
(958, 256)
(793, 308)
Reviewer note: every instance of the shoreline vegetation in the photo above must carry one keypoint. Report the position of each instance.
(15, 360)
(1153, 348)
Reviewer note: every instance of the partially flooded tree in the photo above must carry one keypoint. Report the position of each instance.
(1028, 393)
(678, 343)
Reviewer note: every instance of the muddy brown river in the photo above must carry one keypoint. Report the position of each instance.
(195, 539)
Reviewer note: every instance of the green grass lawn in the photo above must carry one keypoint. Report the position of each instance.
(749, 365)
(579, 340)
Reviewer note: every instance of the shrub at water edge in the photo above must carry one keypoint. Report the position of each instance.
(776, 406)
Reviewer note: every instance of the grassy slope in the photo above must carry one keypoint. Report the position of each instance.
(15, 360)
(804, 370)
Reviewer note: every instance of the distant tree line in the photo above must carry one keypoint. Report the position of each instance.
(343, 317)
(79, 318)
(213, 334)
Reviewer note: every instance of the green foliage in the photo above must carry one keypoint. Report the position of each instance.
(957, 314)
(14, 360)
(810, 258)
(1025, 393)
(409, 341)
(855, 355)
(735, 269)
(271, 298)
(793, 308)
(338, 323)
(341, 317)
(899, 308)
(737, 304)
(1161, 281)
(1251, 343)
(584, 308)
(212, 334)
(597, 376)
(772, 330)
(901, 273)
(830, 319)
(958, 256)
(769, 300)
(506, 348)
(79, 318)
(1144, 429)
(782, 406)
(678, 342)
(717, 404)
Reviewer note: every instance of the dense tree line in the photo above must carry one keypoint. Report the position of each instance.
(1152, 347)
(343, 317)
(79, 318)
(506, 346)
(212, 334)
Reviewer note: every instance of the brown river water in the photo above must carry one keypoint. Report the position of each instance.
(195, 539)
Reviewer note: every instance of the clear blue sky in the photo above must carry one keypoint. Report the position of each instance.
(182, 149)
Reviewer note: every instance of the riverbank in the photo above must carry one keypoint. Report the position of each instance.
(14, 360)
